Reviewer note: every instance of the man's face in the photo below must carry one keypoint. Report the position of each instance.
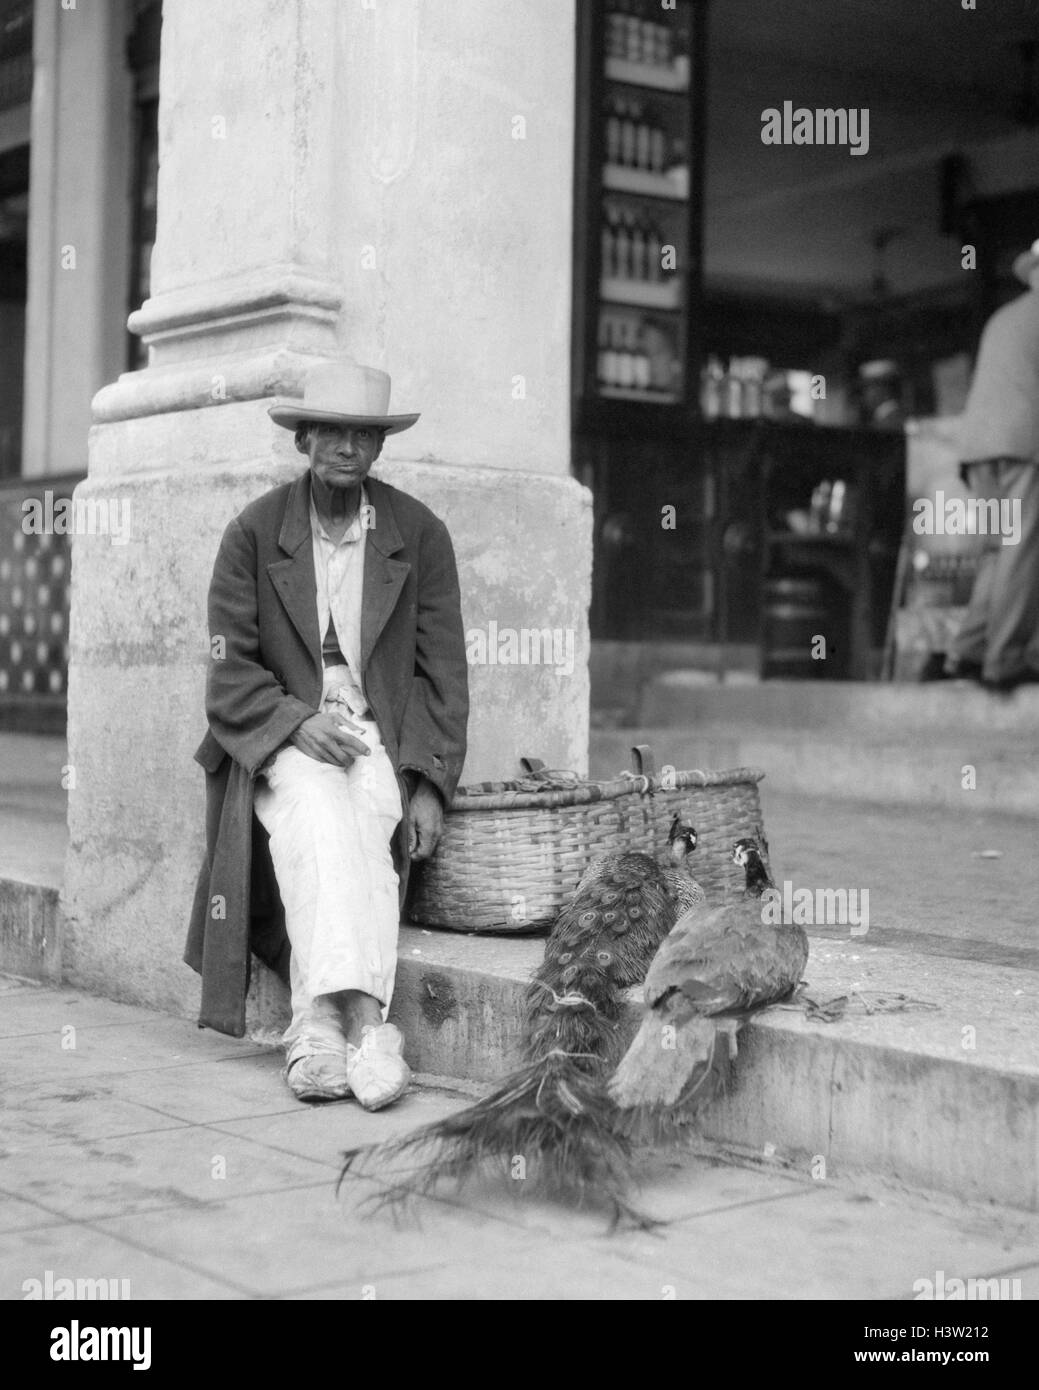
(341, 456)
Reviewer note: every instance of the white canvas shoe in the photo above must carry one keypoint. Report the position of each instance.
(318, 1076)
(376, 1071)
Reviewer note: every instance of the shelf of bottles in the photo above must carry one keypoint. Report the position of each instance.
(645, 202)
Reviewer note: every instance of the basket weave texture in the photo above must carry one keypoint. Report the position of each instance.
(511, 853)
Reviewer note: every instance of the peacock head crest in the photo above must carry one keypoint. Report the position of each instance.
(744, 852)
(681, 840)
(747, 854)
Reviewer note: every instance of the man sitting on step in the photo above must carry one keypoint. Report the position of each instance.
(337, 701)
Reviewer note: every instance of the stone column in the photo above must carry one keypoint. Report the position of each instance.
(387, 180)
(79, 215)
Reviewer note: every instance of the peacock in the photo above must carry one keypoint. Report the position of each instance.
(553, 1115)
(716, 966)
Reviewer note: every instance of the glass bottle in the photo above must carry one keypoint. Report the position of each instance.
(633, 46)
(629, 135)
(625, 356)
(609, 362)
(645, 42)
(732, 391)
(680, 46)
(602, 362)
(613, 131)
(617, 29)
(753, 392)
(665, 50)
(608, 244)
(677, 168)
(657, 147)
(654, 253)
(835, 511)
(644, 140)
(712, 379)
(820, 506)
(639, 249)
(641, 370)
(622, 250)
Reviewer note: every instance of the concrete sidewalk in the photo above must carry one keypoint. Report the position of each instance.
(927, 1073)
(135, 1147)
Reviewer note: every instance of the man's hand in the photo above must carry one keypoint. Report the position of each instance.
(324, 738)
(425, 820)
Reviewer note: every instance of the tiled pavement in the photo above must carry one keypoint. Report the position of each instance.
(134, 1146)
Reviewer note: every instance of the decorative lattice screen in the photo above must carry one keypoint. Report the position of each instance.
(34, 605)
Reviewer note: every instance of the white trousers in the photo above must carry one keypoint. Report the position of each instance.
(330, 830)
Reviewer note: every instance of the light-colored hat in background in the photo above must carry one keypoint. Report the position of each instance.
(1027, 262)
(342, 393)
(880, 369)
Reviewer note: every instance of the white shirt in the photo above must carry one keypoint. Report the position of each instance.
(339, 581)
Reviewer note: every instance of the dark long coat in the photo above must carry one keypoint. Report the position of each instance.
(265, 679)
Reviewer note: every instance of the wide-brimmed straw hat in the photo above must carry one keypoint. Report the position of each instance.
(342, 393)
(1027, 262)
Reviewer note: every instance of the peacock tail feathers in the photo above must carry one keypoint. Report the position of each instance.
(553, 1115)
(549, 1125)
(601, 943)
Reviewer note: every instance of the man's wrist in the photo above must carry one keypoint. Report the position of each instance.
(416, 781)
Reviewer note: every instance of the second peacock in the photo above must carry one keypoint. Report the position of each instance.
(717, 966)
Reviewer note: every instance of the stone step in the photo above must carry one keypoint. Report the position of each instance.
(854, 708)
(30, 930)
(930, 1077)
(620, 672)
(907, 744)
(904, 763)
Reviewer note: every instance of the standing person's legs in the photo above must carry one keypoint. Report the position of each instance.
(969, 645)
(1012, 635)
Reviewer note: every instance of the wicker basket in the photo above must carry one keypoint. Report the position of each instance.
(511, 853)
